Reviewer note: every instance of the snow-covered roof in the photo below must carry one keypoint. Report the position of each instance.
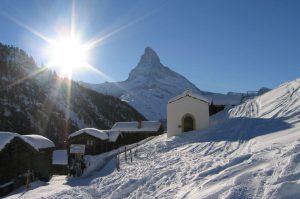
(91, 131)
(113, 135)
(146, 126)
(188, 93)
(39, 141)
(60, 157)
(7, 137)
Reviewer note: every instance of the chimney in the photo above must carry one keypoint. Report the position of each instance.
(139, 124)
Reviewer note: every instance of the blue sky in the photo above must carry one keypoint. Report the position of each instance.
(219, 45)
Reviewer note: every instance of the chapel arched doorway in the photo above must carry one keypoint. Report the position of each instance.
(188, 123)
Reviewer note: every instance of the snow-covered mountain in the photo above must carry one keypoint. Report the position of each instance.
(36, 101)
(250, 151)
(151, 84)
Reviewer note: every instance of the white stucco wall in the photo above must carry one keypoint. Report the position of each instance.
(177, 109)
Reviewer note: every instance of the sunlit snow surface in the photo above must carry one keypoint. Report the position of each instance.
(250, 151)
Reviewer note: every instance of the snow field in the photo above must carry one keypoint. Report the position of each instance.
(250, 151)
(175, 169)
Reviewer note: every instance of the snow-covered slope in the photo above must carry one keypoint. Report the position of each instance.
(151, 84)
(250, 151)
(275, 110)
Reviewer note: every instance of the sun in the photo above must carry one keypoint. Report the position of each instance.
(68, 54)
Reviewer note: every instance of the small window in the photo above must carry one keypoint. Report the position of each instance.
(90, 142)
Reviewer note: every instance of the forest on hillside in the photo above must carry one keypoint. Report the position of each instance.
(35, 100)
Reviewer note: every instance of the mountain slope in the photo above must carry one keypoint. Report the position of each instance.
(275, 110)
(151, 84)
(46, 104)
(250, 151)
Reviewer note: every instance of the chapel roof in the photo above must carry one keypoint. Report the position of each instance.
(188, 93)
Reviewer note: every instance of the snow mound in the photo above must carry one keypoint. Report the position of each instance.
(39, 141)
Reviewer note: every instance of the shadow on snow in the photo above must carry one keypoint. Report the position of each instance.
(232, 129)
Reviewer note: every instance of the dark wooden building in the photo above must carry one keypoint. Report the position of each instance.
(96, 141)
(213, 109)
(18, 155)
(43, 160)
(132, 132)
(114, 138)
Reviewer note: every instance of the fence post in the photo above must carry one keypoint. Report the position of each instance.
(125, 154)
(135, 153)
(118, 162)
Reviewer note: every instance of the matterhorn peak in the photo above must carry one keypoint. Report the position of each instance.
(150, 52)
(149, 59)
(149, 64)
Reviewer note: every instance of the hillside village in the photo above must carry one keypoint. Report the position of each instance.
(159, 99)
(58, 153)
(204, 145)
(250, 150)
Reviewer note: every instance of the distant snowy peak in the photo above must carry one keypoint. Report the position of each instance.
(149, 59)
(150, 72)
(150, 67)
(150, 85)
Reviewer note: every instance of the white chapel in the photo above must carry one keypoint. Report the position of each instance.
(187, 112)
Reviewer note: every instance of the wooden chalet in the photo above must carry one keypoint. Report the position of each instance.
(96, 141)
(136, 131)
(18, 154)
(42, 161)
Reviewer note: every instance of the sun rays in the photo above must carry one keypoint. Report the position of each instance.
(67, 54)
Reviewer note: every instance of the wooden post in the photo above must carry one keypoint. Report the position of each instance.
(125, 154)
(118, 162)
(136, 150)
(28, 180)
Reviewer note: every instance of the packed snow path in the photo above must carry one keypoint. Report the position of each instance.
(250, 151)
